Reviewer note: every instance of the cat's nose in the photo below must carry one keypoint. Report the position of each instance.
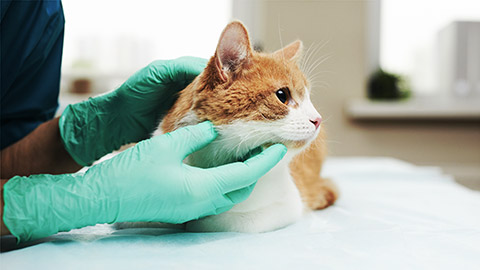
(316, 122)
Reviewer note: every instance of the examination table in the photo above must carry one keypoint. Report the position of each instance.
(390, 215)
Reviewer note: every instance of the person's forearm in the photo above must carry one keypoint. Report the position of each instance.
(3, 229)
(41, 151)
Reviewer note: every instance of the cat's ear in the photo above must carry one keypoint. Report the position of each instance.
(233, 49)
(292, 51)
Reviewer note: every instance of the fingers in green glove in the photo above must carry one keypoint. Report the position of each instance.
(190, 139)
(189, 67)
(239, 175)
(232, 198)
(181, 69)
(240, 195)
(96, 127)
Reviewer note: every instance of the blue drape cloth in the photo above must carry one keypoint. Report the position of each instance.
(31, 51)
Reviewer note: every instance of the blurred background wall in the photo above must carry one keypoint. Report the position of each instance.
(344, 37)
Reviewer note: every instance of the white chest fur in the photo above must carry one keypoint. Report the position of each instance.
(274, 188)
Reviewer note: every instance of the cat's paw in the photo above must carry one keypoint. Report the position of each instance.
(325, 195)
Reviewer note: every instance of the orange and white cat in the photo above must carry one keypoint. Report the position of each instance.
(255, 100)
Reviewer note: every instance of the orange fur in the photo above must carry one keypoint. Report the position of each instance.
(226, 91)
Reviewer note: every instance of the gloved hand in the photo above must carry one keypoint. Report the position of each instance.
(148, 182)
(96, 127)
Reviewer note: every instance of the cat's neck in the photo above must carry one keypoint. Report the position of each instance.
(228, 147)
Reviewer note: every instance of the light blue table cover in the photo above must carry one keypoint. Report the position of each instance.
(391, 215)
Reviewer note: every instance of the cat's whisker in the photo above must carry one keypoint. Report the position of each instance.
(307, 63)
(317, 63)
(326, 120)
(281, 42)
(316, 80)
(320, 73)
(312, 54)
(310, 67)
(317, 75)
(321, 85)
(306, 56)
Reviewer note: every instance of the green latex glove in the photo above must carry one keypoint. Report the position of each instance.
(148, 182)
(96, 127)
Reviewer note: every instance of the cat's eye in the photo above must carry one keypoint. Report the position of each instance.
(282, 94)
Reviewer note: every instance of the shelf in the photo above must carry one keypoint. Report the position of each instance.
(415, 109)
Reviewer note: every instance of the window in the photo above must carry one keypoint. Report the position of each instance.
(409, 37)
(108, 40)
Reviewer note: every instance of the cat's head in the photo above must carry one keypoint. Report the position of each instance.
(255, 98)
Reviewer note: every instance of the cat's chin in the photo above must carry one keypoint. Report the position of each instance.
(299, 144)
(296, 145)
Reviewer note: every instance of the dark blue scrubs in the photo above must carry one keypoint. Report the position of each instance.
(31, 49)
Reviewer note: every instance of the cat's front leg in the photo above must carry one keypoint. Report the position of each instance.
(321, 194)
